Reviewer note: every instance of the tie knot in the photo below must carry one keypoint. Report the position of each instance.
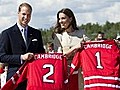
(24, 29)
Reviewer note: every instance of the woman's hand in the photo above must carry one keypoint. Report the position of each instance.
(73, 49)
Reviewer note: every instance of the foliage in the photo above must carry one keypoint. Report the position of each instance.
(109, 28)
(46, 35)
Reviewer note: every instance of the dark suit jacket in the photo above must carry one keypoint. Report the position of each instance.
(12, 46)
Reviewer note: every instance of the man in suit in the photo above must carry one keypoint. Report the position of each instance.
(16, 47)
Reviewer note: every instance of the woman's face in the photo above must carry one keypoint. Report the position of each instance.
(64, 20)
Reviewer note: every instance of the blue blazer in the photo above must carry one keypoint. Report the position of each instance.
(12, 46)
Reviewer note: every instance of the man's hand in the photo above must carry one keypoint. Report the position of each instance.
(27, 56)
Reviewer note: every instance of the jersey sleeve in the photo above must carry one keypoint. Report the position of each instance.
(16, 79)
(76, 63)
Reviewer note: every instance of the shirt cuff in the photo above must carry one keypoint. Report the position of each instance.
(21, 60)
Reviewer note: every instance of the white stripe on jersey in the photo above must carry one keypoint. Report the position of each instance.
(101, 77)
(73, 66)
(13, 80)
(101, 85)
(75, 72)
(18, 73)
(66, 81)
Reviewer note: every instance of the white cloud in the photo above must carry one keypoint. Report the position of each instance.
(44, 11)
(102, 12)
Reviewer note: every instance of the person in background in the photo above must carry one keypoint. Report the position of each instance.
(50, 47)
(20, 42)
(2, 68)
(3, 73)
(67, 37)
(117, 40)
(100, 36)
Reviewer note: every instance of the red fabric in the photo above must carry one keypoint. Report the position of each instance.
(73, 82)
(12, 83)
(1, 70)
(46, 72)
(100, 62)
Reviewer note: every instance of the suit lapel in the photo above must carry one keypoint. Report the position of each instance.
(29, 37)
(18, 36)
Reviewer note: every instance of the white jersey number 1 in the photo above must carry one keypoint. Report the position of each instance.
(99, 66)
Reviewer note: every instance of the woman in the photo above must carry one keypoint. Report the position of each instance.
(68, 38)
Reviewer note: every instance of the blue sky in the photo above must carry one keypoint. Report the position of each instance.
(44, 11)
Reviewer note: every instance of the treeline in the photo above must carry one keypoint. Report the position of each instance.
(109, 28)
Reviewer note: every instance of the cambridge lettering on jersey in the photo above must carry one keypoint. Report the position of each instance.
(48, 56)
(106, 46)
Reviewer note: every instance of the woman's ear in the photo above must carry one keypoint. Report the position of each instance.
(71, 19)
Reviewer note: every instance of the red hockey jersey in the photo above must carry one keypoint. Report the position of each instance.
(100, 62)
(46, 72)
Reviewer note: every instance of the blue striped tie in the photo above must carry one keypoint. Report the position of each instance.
(24, 34)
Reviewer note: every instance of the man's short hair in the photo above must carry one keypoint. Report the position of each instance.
(26, 5)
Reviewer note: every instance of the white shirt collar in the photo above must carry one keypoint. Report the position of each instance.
(20, 27)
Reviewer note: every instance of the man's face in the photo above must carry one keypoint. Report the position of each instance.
(100, 36)
(118, 41)
(24, 16)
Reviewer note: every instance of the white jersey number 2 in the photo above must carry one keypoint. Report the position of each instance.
(99, 66)
(45, 77)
